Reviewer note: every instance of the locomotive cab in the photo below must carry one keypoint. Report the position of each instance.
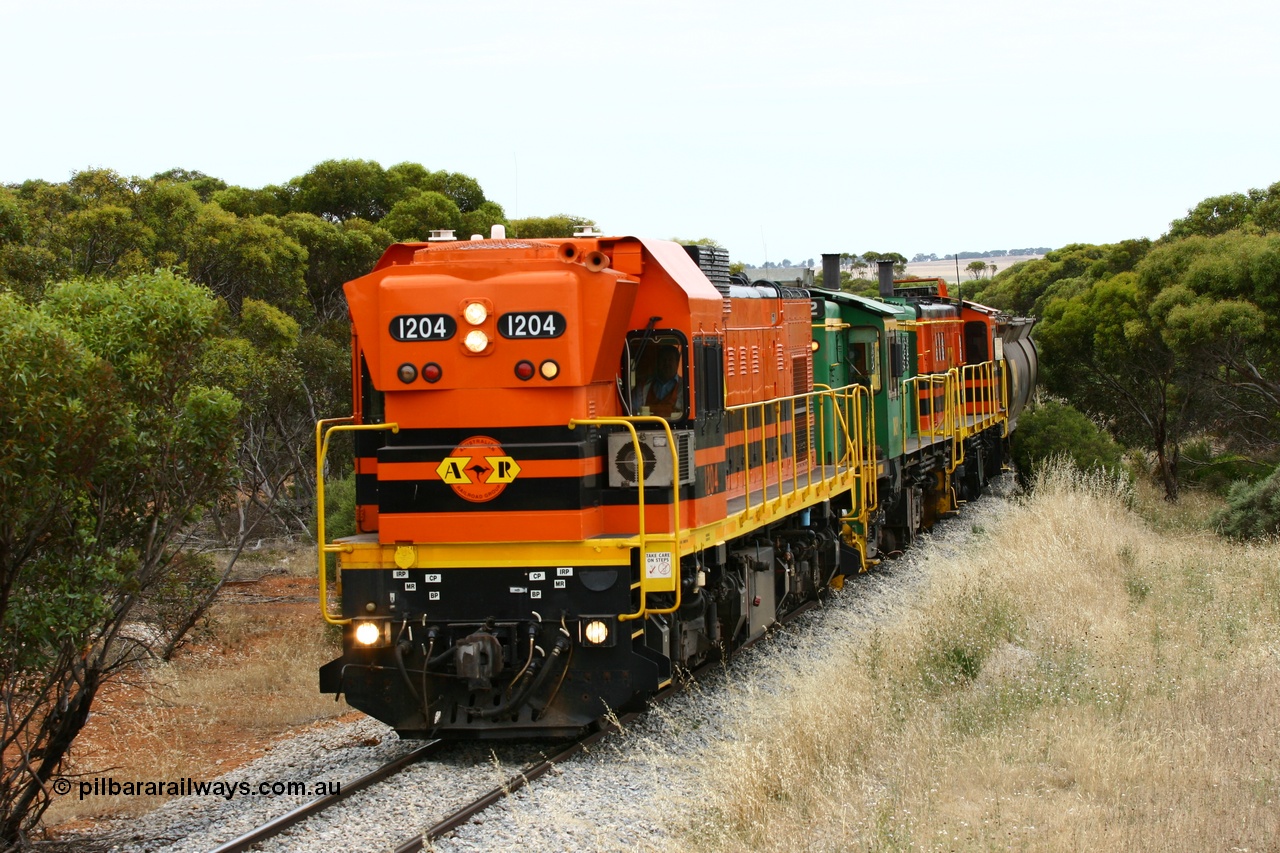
(654, 371)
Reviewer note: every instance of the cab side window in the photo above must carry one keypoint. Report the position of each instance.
(864, 358)
(657, 375)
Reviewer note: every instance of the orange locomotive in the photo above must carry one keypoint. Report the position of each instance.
(580, 464)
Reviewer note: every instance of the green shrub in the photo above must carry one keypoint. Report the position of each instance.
(1054, 428)
(340, 507)
(1253, 509)
(339, 514)
(1216, 471)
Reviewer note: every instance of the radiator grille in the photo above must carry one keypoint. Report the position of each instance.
(801, 367)
(714, 263)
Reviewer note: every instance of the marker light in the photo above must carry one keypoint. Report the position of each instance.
(368, 633)
(476, 340)
(814, 345)
(475, 313)
(524, 370)
(549, 369)
(407, 373)
(596, 632)
(432, 372)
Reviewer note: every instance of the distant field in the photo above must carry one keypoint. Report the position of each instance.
(928, 269)
(947, 269)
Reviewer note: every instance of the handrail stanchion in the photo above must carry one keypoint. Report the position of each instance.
(642, 535)
(322, 451)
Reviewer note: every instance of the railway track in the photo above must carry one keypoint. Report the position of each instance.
(465, 813)
(277, 825)
(515, 783)
(453, 820)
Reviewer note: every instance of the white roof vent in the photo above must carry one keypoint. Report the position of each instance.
(498, 232)
(585, 231)
(441, 234)
(475, 237)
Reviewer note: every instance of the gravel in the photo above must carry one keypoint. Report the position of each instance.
(625, 794)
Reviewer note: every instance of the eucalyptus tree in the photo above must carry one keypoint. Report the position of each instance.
(113, 448)
(560, 225)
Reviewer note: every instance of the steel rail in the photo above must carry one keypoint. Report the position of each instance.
(277, 825)
(515, 783)
(463, 815)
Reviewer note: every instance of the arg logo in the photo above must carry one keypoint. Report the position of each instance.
(477, 469)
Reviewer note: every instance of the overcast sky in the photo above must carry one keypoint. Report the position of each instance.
(782, 129)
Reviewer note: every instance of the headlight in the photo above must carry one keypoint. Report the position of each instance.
(476, 340)
(368, 633)
(598, 631)
(475, 313)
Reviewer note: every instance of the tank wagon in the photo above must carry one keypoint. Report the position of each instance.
(584, 463)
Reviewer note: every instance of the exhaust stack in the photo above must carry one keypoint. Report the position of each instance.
(830, 271)
(886, 277)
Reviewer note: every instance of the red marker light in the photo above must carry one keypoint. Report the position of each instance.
(524, 370)
(432, 372)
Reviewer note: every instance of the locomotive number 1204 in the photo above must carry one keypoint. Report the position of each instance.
(423, 327)
(531, 324)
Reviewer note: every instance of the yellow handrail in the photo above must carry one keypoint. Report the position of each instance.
(853, 417)
(990, 380)
(956, 413)
(322, 450)
(849, 394)
(864, 463)
(1004, 393)
(986, 398)
(867, 439)
(951, 425)
(629, 423)
(819, 393)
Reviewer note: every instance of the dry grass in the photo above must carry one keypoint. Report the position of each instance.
(250, 679)
(266, 685)
(1075, 680)
(1193, 510)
